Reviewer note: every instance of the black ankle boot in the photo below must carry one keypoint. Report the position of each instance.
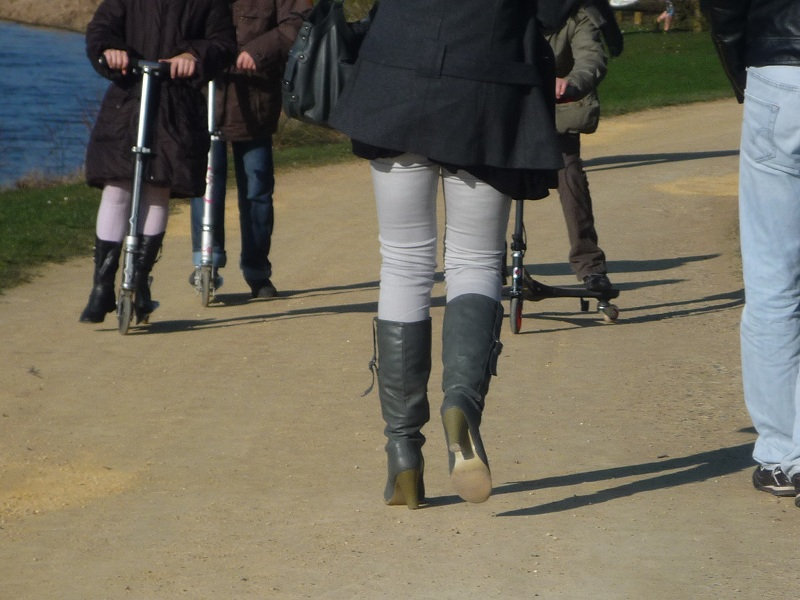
(404, 365)
(102, 299)
(471, 346)
(149, 246)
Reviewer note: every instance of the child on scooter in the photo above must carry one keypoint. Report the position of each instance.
(198, 41)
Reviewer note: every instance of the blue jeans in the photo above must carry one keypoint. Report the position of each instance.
(255, 182)
(769, 214)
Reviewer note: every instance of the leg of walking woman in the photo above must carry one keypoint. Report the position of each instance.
(405, 192)
(476, 223)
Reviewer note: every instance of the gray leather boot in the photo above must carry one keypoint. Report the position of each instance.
(404, 365)
(149, 246)
(102, 299)
(471, 346)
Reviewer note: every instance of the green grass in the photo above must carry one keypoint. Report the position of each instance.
(44, 224)
(657, 69)
(51, 223)
(308, 156)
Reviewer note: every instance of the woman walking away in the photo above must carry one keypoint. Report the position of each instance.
(458, 93)
(197, 39)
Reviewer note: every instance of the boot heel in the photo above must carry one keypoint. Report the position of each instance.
(406, 489)
(456, 431)
(470, 474)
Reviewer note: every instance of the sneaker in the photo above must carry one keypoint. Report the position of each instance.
(775, 481)
(597, 282)
(262, 289)
(796, 483)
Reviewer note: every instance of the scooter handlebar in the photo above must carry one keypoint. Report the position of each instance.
(141, 66)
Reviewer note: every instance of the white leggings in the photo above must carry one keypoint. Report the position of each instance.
(115, 211)
(476, 219)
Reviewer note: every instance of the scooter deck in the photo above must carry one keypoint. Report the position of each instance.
(535, 291)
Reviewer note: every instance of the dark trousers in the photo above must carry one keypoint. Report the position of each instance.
(585, 256)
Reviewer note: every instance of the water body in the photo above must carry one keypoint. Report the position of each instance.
(49, 95)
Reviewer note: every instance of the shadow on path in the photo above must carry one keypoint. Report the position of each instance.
(683, 308)
(669, 473)
(616, 267)
(626, 161)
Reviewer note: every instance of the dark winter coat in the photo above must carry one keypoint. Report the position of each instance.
(249, 103)
(153, 30)
(754, 33)
(467, 84)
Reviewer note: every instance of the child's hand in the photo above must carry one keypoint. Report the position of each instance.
(116, 60)
(183, 65)
(245, 62)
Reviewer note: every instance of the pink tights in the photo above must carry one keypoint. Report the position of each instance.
(114, 211)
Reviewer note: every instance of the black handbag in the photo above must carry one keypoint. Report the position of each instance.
(320, 62)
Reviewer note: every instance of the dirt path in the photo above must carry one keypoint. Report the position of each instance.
(226, 452)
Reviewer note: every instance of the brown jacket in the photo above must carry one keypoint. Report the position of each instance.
(249, 104)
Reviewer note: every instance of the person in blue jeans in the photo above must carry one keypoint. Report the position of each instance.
(248, 104)
(759, 44)
(253, 168)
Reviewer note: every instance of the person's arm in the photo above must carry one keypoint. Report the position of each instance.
(602, 15)
(216, 50)
(589, 56)
(271, 48)
(105, 38)
(728, 19)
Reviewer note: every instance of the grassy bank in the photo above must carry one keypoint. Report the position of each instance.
(47, 224)
(56, 222)
(657, 69)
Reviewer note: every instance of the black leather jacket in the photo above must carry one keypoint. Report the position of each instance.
(754, 33)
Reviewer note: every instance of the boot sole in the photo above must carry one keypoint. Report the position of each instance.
(470, 476)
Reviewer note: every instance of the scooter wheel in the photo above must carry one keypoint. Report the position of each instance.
(125, 311)
(205, 285)
(610, 313)
(515, 316)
